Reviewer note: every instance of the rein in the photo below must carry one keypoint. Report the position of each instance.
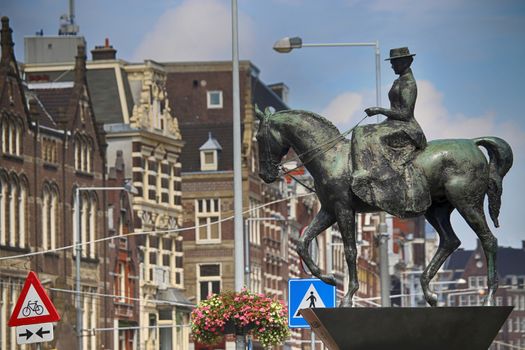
(317, 151)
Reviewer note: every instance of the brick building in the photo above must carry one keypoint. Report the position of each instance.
(200, 93)
(123, 261)
(470, 266)
(51, 144)
(131, 101)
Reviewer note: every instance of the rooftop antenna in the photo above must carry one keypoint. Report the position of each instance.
(67, 21)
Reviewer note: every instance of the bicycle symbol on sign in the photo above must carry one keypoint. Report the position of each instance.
(32, 306)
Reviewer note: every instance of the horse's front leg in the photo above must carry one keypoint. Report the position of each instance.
(347, 226)
(321, 222)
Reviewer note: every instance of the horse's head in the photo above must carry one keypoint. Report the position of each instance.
(272, 146)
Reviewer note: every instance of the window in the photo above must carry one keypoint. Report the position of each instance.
(13, 210)
(83, 153)
(207, 220)
(208, 280)
(214, 99)
(209, 153)
(49, 150)
(88, 222)
(90, 319)
(11, 136)
(49, 217)
(174, 189)
(477, 282)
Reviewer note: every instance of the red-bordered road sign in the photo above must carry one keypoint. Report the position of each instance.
(33, 305)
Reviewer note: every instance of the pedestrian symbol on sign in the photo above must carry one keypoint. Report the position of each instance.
(307, 293)
(311, 299)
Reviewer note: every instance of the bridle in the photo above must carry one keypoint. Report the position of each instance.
(312, 153)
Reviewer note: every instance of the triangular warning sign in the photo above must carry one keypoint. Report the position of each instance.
(33, 305)
(311, 299)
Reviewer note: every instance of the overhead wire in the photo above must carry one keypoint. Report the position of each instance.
(138, 233)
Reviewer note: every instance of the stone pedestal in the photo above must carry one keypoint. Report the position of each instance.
(451, 328)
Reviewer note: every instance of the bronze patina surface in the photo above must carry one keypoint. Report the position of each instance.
(390, 167)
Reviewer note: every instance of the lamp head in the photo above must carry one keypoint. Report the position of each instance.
(287, 44)
(128, 187)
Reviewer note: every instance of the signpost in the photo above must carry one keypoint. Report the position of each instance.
(34, 313)
(305, 293)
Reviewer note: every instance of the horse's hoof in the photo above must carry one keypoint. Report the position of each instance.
(329, 279)
(489, 301)
(346, 303)
(432, 299)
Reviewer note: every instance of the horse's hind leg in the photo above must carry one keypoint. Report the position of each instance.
(475, 217)
(438, 215)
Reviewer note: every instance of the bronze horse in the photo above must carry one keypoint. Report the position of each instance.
(457, 173)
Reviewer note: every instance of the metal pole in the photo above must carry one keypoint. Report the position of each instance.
(329, 251)
(312, 339)
(240, 343)
(384, 275)
(383, 239)
(237, 162)
(378, 76)
(77, 260)
(412, 291)
(247, 253)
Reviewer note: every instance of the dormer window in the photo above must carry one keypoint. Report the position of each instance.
(214, 99)
(210, 154)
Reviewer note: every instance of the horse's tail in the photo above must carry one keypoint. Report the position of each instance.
(500, 155)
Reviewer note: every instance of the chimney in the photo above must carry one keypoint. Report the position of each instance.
(281, 90)
(80, 65)
(523, 244)
(106, 52)
(6, 42)
(119, 161)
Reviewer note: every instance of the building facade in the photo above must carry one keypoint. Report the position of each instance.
(467, 269)
(51, 145)
(131, 101)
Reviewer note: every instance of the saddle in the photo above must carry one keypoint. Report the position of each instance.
(384, 174)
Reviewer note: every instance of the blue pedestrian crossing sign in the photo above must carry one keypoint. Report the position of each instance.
(306, 293)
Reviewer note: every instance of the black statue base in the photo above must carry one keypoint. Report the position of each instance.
(451, 328)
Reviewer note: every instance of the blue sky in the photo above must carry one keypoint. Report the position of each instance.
(468, 63)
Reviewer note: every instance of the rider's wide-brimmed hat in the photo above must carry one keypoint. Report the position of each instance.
(399, 53)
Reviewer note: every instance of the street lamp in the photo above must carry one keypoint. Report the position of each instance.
(128, 187)
(286, 45)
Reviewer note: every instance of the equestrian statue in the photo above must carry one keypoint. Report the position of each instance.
(389, 167)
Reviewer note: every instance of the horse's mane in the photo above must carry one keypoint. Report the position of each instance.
(316, 116)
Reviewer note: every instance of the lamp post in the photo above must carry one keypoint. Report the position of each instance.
(286, 45)
(240, 341)
(128, 187)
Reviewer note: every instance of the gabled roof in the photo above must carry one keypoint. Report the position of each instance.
(195, 135)
(211, 144)
(54, 101)
(458, 260)
(510, 261)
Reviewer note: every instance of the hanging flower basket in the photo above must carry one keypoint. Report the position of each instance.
(240, 313)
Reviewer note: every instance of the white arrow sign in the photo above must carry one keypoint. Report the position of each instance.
(34, 333)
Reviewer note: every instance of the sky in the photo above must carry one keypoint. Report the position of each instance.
(467, 65)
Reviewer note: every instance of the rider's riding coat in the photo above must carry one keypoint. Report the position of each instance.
(382, 155)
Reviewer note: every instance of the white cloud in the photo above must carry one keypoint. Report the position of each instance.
(407, 7)
(196, 30)
(438, 122)
(343, 108)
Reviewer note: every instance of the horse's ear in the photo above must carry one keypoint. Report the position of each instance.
(259, 114)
